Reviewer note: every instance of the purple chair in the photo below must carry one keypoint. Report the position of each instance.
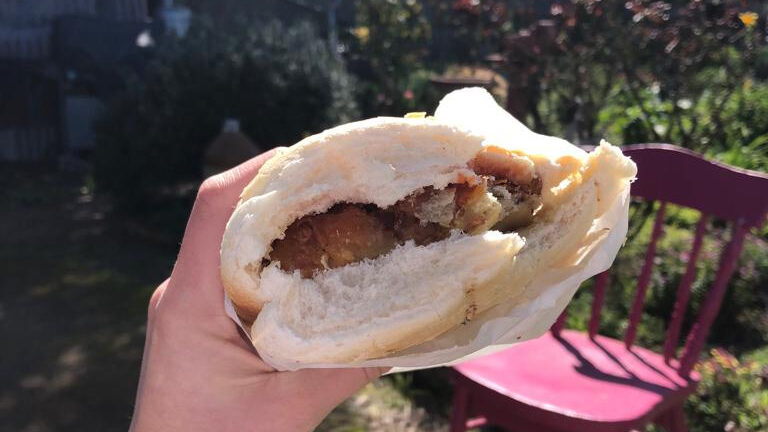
(569, 381)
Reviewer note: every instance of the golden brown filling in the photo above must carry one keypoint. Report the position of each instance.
(349, 233)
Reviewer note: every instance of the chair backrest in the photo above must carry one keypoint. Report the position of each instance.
(670, 174)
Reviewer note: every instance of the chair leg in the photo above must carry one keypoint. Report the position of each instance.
(677, 415)
(673, 420)
(664, 421)
(459, 408)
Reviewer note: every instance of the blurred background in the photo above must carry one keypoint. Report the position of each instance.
(113, 111)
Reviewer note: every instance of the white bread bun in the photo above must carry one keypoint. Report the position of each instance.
(376, 307)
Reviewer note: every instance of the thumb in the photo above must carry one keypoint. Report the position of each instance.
(215, 202)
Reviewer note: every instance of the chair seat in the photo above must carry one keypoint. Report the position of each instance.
(573, 376)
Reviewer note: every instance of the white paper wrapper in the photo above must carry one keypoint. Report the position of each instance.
(545, 297)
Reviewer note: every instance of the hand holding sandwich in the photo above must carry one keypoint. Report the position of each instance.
(198, 373)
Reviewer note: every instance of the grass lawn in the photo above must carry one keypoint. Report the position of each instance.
(74, 284)
(72, 303)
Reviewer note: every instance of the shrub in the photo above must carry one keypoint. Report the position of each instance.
(732, 395)
(281, 82)
(728, 125)
(386, 51)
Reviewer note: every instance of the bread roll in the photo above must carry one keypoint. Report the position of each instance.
(491, 212)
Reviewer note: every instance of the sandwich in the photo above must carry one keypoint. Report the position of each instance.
(376, 236)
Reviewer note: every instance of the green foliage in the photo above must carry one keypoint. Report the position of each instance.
(477, 27)
(732, 395)
(386, 53)
(761, 64)
(731, 126)
(429, 388)
(636, 71)
(745, 127)
(281, 82)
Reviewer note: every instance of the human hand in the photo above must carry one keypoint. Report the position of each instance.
(198, 371)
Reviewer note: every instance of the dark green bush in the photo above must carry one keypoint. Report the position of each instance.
(386, 51)
(761, 64)
(281, 82)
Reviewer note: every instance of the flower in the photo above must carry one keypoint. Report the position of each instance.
(749, 19)
(408, 94)
(362, 33)
(684, 104)
(724, 358)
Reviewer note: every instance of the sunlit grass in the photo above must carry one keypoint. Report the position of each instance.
(380, 407)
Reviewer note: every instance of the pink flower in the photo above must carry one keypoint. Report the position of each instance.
(408, 94)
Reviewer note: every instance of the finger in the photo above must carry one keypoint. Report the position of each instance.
(197, 268)
(215, 202)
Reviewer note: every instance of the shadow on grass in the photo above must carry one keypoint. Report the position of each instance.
(73, 294)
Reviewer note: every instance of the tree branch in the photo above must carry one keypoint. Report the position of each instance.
(638, 100)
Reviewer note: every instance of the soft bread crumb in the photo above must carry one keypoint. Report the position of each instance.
(408, 286)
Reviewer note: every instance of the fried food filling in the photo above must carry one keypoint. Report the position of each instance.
(505, 196)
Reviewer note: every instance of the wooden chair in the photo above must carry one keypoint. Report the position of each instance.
(568, 381)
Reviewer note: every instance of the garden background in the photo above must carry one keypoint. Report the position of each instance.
(89, 230)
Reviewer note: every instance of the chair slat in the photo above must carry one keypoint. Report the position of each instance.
(711, 306)
(645, 278)
(680, 176)
(597, 303)
(557, 327)
(684, 292)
